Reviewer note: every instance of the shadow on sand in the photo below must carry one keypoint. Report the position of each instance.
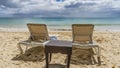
(84, 56)
(32, 54)
(79, 56)
(56, 66)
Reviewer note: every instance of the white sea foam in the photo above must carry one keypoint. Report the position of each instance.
(57, 28)
(13, 29)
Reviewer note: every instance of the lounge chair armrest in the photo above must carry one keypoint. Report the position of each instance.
(93, 44)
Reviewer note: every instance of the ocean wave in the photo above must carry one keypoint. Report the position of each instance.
(110, 27)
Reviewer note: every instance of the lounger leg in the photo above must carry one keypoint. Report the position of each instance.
(99, 61)
(19, 47)
(26, 48)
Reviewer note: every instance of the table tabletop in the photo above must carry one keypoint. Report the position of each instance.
(59, 43)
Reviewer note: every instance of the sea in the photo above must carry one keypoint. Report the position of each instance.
(20, 24)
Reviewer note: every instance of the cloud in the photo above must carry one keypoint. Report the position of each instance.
(59, 8)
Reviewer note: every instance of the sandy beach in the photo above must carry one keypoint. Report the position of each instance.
(34, 57)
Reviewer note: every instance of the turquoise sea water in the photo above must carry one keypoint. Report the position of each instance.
(60, 23)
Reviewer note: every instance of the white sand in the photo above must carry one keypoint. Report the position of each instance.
(34, 58)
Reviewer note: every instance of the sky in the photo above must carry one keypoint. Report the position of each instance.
(60, 8)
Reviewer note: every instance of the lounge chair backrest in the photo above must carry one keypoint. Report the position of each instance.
(82, 33)
(38, 32)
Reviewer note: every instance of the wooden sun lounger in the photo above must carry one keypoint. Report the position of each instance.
(82, 37)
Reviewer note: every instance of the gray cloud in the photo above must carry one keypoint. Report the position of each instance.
(9, 4)
(65, 8)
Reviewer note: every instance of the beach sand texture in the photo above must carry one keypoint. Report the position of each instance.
(34, 57)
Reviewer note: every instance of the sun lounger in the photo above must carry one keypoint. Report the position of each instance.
(38, 36)
(82, 37)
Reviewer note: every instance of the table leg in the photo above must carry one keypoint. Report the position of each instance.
(68, 61)
(50, 56)
(46, 57)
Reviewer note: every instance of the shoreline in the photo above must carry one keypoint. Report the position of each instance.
(57, 30)
(62, 28)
